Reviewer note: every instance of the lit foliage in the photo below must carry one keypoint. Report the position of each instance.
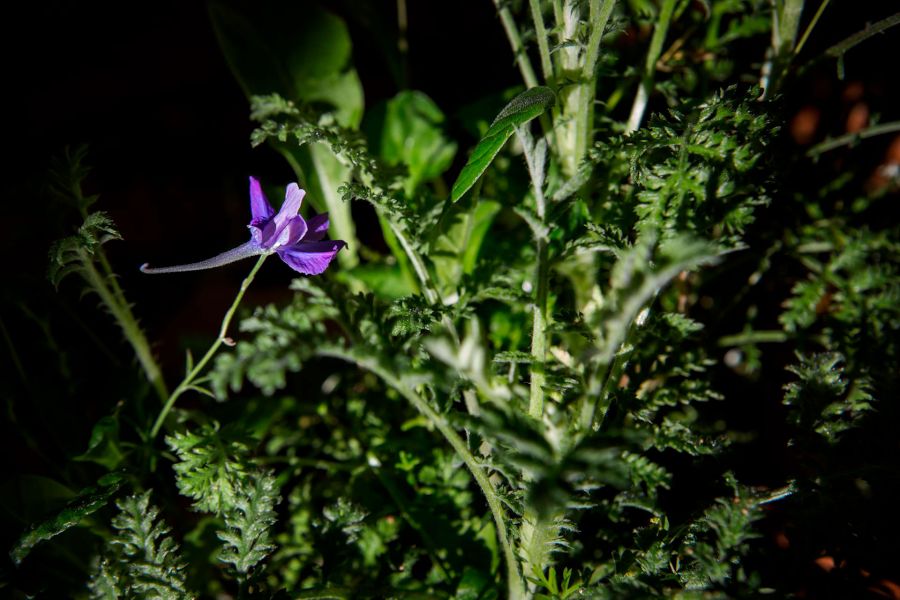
(142, 560)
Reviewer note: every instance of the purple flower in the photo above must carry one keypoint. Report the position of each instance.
(296, 241)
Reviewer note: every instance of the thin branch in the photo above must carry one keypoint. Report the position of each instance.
(849, 139)
(646, 86)
(811, 26)
(515, 41)
(857, 38)
(438, 420)
(541, 33)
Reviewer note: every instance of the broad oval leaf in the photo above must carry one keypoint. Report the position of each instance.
(520, 110)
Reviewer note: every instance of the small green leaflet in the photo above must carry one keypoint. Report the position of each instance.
(521, 109)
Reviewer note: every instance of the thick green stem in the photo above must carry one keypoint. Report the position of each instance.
(514, 580)
(584, 119)
(189, 379)
(534, 160)
(114, 299)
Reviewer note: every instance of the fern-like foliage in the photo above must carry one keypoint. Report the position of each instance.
(248, 521)
(142, 559)
(821, 399)
(210, 469)
(75, 254)
(698, 169)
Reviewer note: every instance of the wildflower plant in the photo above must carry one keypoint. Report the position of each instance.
(520, 390)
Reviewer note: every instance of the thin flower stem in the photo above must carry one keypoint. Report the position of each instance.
(646, 86)
(811, 26)
(514, 580)
(114, 299)
(189, 379)
(515, 41)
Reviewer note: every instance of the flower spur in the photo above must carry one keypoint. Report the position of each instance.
(296, 241)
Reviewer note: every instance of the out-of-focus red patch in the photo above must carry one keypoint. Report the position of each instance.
(886, 589)
(892, 157)
(804, 125)
(858, 117)
(888, 170)
(853, 92)
(826, 563)
(782, 541)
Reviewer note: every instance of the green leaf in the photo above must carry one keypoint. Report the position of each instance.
(145, 561)
(249, 522)
(412, 135)
(386, 281)
(523, 108)
(210, 466)
(455, 251)
(88, 501)
(103, 447)
(299, 51)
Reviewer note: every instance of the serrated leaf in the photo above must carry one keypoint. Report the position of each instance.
(512, 356)
(523, 108)
(248, 522)
(88, 501)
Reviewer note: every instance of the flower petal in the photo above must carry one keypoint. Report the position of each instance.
(317, 227)
(292, 233)
(272, 231)
(260, 209)
(310, 258)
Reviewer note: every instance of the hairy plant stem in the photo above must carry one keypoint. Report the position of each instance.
(857, 38)
(113, 298)
(851, 138)
(534, 159)
(584, 119)
(646, 86)
(539, 332)
(541, 34)
(189, 380)
(513, 578)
